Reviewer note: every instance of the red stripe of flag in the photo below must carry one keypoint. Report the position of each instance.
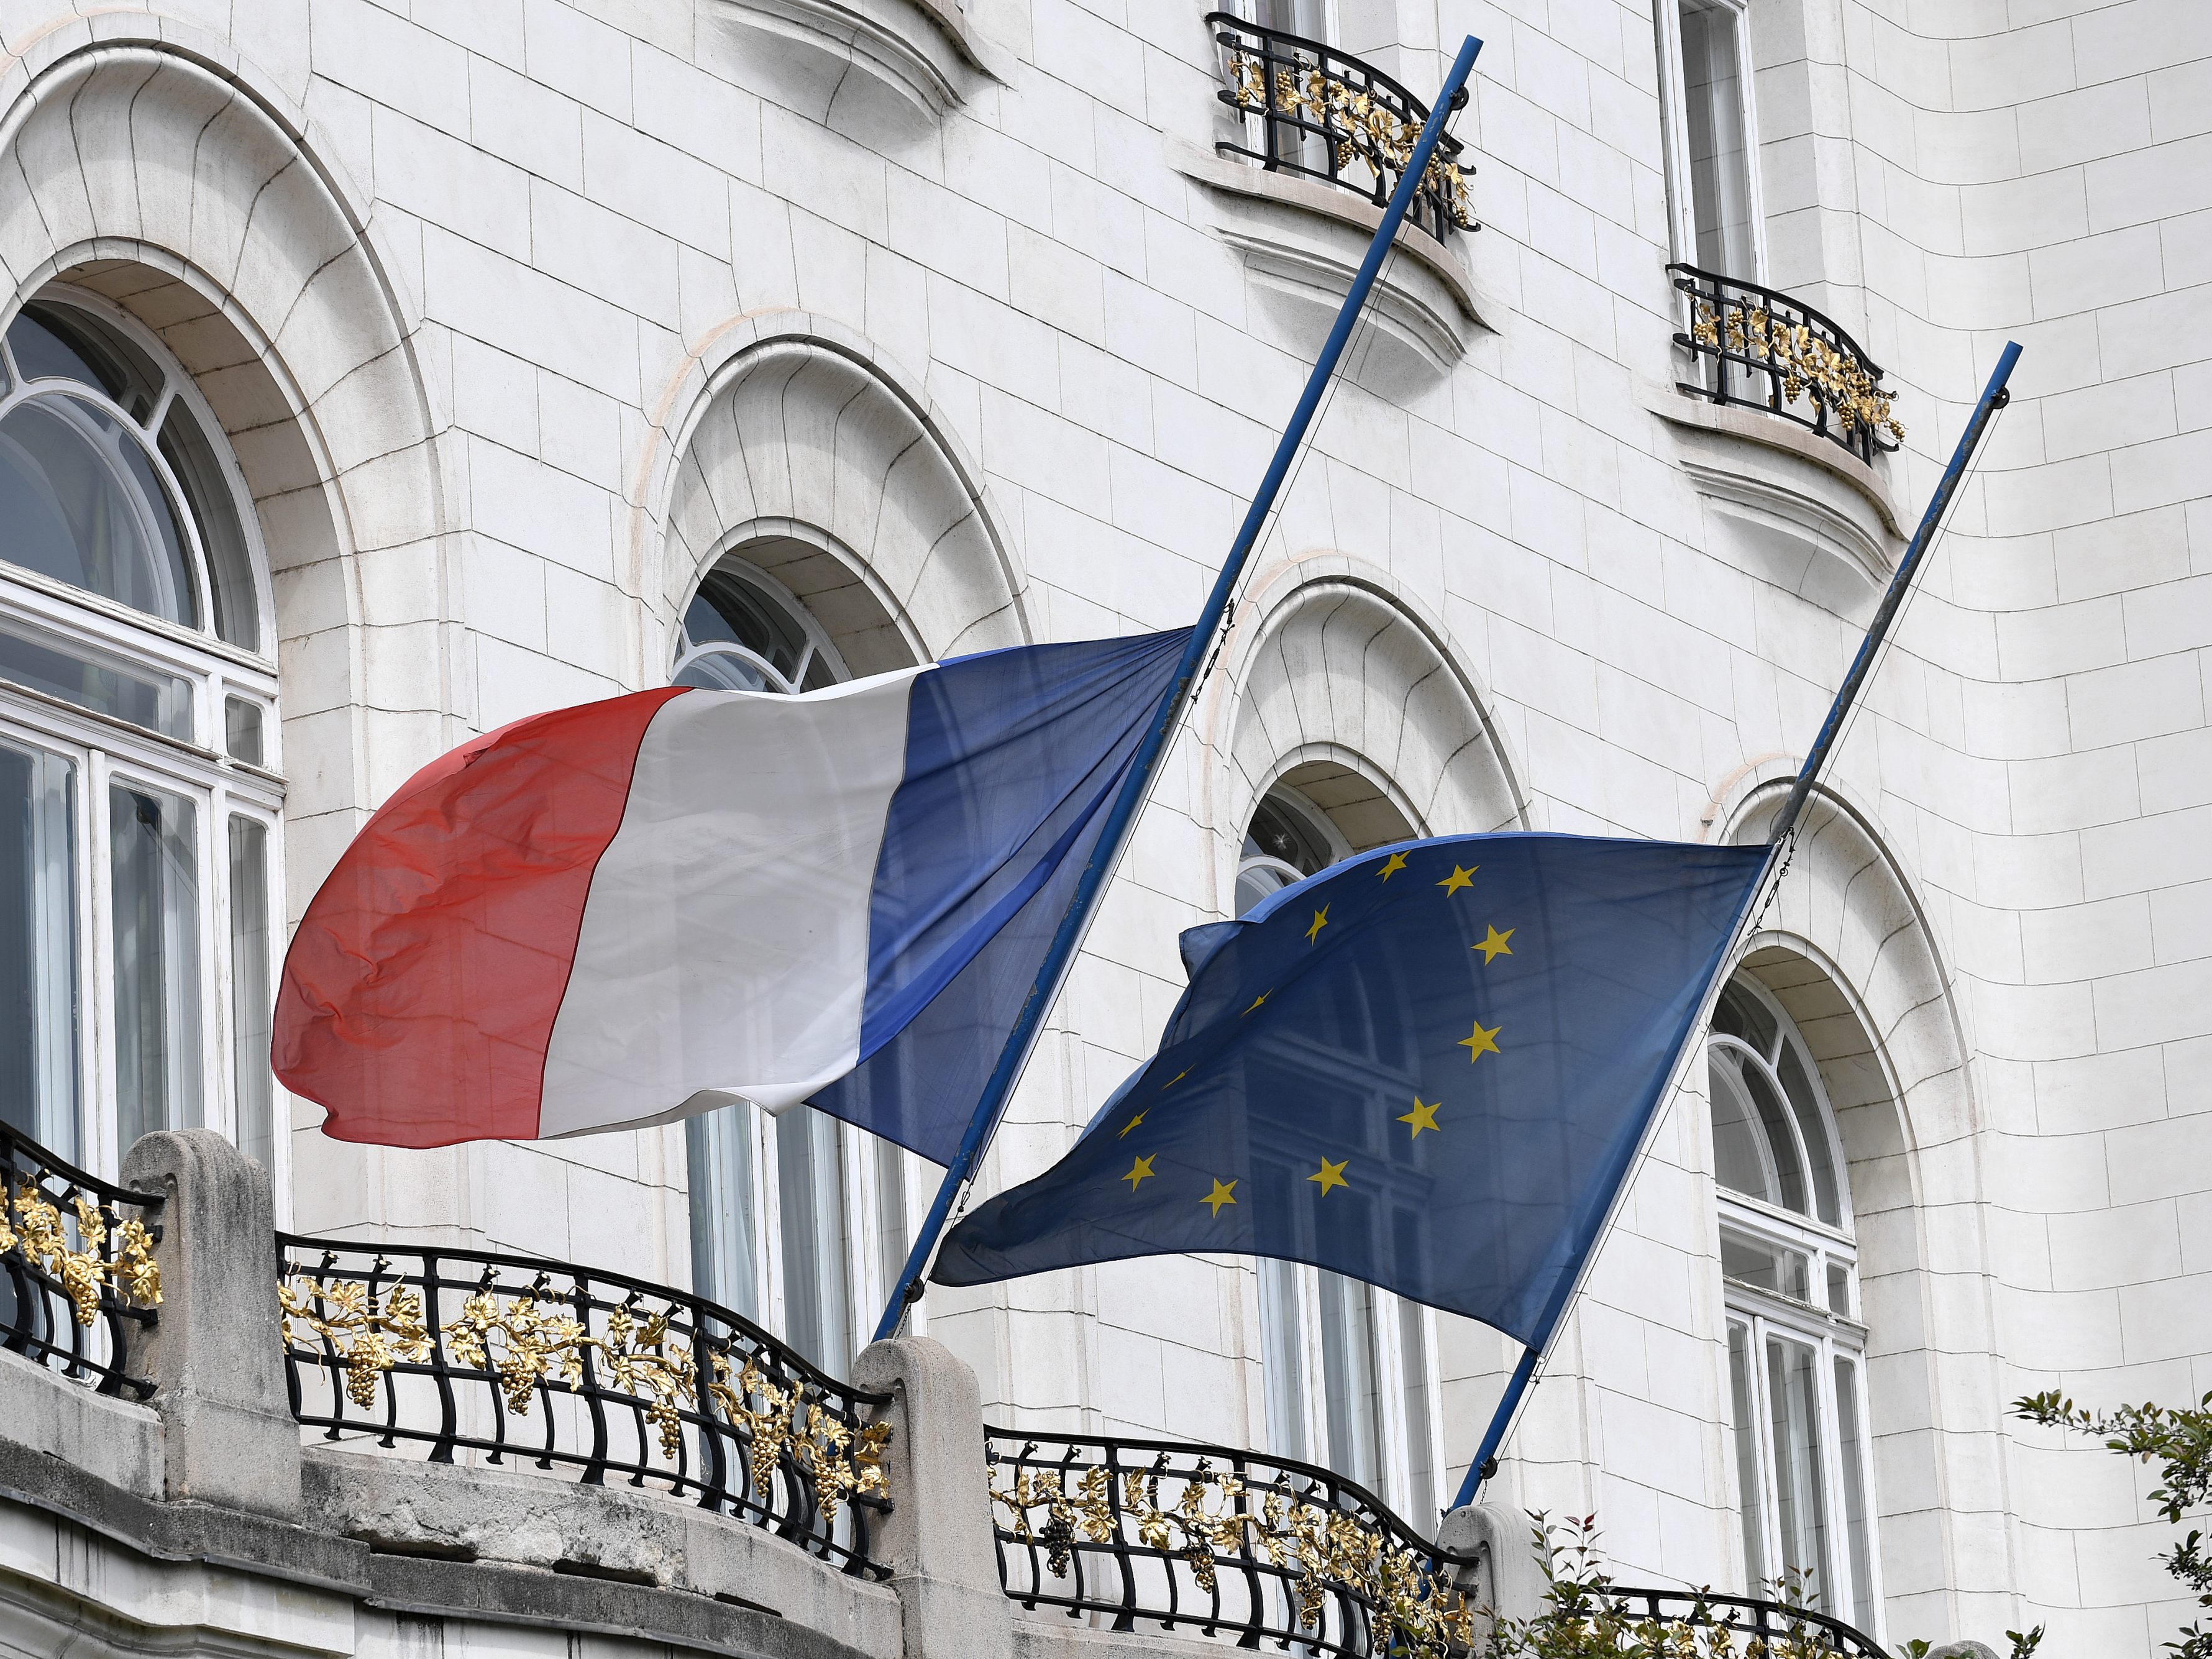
(419, 994)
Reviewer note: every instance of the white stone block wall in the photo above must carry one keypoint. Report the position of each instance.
(508, 262)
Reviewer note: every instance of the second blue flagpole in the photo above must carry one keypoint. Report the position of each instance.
(1134, 788)
(1995, 396)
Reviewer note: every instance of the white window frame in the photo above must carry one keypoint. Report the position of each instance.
(1673, 105)
(103, 749)
(1833, 1335)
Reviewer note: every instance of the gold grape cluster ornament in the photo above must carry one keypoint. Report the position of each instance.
(1413, 1612)
(1803, 360)
(40, 1236)
(1358, 125)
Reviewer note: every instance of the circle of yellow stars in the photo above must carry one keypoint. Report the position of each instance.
(1482, 1040)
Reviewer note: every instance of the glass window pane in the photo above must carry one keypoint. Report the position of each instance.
(1283, 1359)
(37, 949)
(74, 513)
(1813, 1125)
(1850, 1442)
(213, 508)
(1720, 176)
(811, 1187)
(1793, 1390)
(47, 663)
(62, 342)
(1781, 1141)
(241, 731)
(1420, 1494)
(1750, 1482)
(1773, 1267)
(1742, 1016)
(730, 607)
(892, 1239)
(1839, 1289)
(719, 1149)
(154, 877)
(251, 1001)
(1280, 831)
(723, 671)
(1741, 1163)
(1347, 1354)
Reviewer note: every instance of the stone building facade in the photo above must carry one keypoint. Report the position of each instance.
(439, 363)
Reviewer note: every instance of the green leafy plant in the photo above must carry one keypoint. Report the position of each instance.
(2177, 1437)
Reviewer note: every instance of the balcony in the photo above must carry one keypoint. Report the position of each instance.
(360, 1427)
(1782, 422)
(1316, 143)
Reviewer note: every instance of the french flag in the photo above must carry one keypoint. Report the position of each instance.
(640, 909)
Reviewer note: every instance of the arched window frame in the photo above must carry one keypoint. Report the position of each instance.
(215, 742)
(1789, 1285)
(1316, 1325)
(820, 1281)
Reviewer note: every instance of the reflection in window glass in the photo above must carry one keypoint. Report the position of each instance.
(1766, 1266)
(241, 731)
(1793, 1390)
(1807, 1106)
(1347, 1355)
(251, 1001)
(1282, 1339)
(46, 663)
(1855, 1502)
(37, 949)
(215, 514)
(63, 343)
(1740, 1159)
(720, 1153)
(1720, 164)
(1750, 1484)
(811, 1192)
(154, 875)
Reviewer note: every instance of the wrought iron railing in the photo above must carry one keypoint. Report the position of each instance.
(78, 1272)
(1157, 1536)
(509, 1359)
(1754, 348)
(1310, 110)
(1781, 1628)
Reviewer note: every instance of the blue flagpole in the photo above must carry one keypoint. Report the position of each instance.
(1134, 788)
(1995, 396)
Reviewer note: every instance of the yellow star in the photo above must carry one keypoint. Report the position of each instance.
(1256, 1002)
(1176, 1078)
(1332, 1175)
(1392, 865)
(1495, 945)
(1130, 1124)
(1140, 1172)
(1482, 1042)
(1321, 920)
(1422, 1116)
(1458, 879)
(1225, 1192)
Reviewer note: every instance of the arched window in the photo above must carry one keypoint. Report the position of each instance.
(139, 794)
(798, 1220)
(1796, 1347)
(1350, 1376)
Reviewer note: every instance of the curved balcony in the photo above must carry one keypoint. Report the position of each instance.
(1165, 1537)
(1751, 1626)
(507, 1358)
(77, 1275)
(1753, 348)
(1318, 114)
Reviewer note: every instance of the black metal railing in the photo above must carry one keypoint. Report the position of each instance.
(1783, 1628)
(1754, 348)
(1310, 110)
(1157, 1536)
(78, 1272)
(511, 1358)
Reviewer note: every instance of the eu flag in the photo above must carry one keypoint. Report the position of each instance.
(1428, 1067)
